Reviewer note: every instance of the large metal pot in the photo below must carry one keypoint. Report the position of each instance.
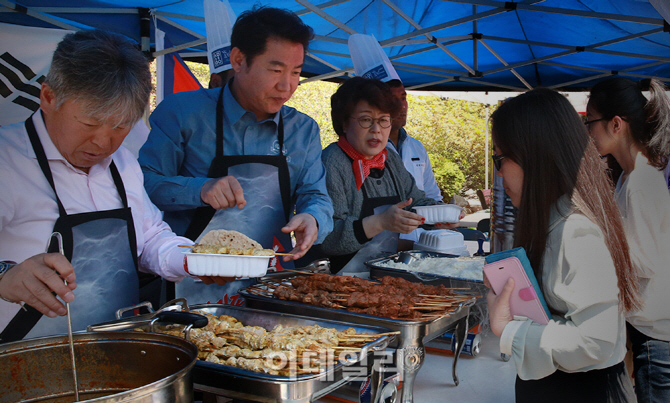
(111, 367)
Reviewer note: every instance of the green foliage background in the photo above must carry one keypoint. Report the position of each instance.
(452, 131)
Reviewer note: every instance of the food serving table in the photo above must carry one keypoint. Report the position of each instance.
(409, 342)
(237, 383)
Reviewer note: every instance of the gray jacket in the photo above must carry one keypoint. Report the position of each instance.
(346, 237)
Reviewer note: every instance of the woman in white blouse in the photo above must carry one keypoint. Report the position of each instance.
(635, 132)
(569, 225)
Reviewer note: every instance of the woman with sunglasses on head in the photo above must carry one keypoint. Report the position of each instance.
(372, 192)
(635, 132)
(569, 225)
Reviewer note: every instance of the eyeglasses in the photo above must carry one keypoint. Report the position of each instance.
(366, 122)
(588, 122)
(497, 160)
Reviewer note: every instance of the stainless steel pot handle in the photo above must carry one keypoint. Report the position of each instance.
(145, 304)
(190, 319)
(379, 344)
(172, 305)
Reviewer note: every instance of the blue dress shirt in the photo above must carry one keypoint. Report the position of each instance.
(175, 159)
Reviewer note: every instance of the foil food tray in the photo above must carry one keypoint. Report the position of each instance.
(410, 340)
(238, 383)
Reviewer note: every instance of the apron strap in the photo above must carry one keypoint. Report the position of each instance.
(42, 160)
(203, 215)
(22, 323)
(219, 124)
(280, 134)
(118, 182)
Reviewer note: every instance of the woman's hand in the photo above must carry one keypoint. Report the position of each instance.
(393, 219)
(450, 225)
(499, 311)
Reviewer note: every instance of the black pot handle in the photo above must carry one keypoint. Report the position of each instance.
(181, 318)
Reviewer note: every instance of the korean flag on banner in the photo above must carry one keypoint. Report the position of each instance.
(172, 74)
(25, 57)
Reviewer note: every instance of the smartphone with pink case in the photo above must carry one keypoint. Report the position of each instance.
(526, 299)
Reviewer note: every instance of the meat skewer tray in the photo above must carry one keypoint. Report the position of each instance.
(378, 270)
(238, 383)
(409, 342)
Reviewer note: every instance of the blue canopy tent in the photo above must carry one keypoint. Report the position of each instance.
(438, 45)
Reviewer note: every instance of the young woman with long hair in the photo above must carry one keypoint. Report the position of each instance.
(634, 132)
(570, 227)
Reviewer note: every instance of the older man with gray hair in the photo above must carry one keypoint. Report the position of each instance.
(63, 171)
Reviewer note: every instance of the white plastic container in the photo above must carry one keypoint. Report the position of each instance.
(439, 213)
(208, 264)
(443, 241)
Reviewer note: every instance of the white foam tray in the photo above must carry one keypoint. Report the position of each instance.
(208, 264)
(439, 213)
(459, 251)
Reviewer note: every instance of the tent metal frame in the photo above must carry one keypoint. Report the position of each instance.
(434, 77)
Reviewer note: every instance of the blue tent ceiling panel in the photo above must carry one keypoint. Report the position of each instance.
(565, 44)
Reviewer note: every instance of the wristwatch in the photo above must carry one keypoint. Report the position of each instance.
(6, 265)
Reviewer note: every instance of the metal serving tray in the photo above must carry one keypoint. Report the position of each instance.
(238, 383)
(477, 313)
(409, 343)
(379, 271)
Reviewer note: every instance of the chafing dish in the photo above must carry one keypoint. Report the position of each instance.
(237, 383)
(412, 333)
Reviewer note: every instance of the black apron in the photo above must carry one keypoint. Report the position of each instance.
(383, 244)
(266, 182)
(102, 247)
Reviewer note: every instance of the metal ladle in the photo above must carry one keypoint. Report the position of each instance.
(59, 237)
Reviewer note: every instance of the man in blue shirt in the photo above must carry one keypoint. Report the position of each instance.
(237, 158)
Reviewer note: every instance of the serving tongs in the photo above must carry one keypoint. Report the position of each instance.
(59, 238)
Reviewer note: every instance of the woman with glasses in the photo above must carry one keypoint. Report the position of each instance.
(569, 225)
(372, 192)
(635, 132)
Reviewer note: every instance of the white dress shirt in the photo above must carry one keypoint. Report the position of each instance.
(28, 209)
(580, 283)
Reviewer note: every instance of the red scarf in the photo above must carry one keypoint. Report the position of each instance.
(361, 165)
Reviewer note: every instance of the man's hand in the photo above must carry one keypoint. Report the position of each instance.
(306, 231)
(34, 280)
(499, 311)
(223, 193)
